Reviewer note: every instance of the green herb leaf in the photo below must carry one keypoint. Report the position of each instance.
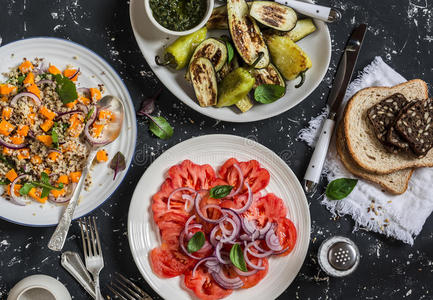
(237, 258)
(268, 93)
(45, 178)
(66, 89)
(340, 188)
(48, 186)
(118, 163)
(26, 188)
(160, 127)
(196, 242)
(65, 126)
(230, 52)
(20, 79)
(89, 114)
(4, 182)
(220, 191)
(55, 136)
(45, 192)
(7, 162)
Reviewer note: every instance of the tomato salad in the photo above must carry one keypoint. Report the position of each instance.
(217, 229)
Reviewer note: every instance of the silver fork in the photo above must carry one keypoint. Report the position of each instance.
(125, 289)
(92, 251)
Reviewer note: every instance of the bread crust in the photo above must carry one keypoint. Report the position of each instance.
(411, 161)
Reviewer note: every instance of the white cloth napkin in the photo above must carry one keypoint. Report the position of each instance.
(402, 216)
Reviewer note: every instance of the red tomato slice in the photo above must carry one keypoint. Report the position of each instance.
(256, 176)
(171, 225)
(189, 174)
(168, 263)
(252, 280)
(269, 208)
(286, 231)
(203, 285)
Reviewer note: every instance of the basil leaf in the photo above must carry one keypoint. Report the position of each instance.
(118, 164)
(340, 188)
(48, 186)
(45, 178)
(55, 136)
(230, 52)
(220, 191)
(26, 188)
(66, 89)
(45, 192)
(196, 242)
(160, 127)
(89, 114)
(268, 93)
(237, 258)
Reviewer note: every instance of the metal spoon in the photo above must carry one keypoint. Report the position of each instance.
(111, 132)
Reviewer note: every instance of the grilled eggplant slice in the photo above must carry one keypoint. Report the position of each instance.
(203, 78)
(288, 57)
(214, 50)
(218, 19)
(268, 75)
(227, 68)
(274, 15)
(245, 33)
(303, 28)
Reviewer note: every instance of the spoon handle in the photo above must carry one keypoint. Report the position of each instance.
(59, 236)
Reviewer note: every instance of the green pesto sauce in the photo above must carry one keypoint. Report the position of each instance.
(178, 15)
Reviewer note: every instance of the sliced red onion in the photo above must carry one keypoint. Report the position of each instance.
(65, 198)
(249, 273)
(32, 96)
(213, 265)
(248, 261)
(256, 245)
(76, 73)
(92, 140)
(45, 81)
(62, 114)
(212, 237)
(188, 199)
(193, 226)
(182, 246)
(250, 237)
(209, 258)
(241, 181)
(12, 146)
(226, 282)
(54, 150)
(272, 240)
(260, 255)
(84, 91)
(235, 217)
(83, 108)
(264, 230)
(200, 213)
(219, 254)
(281, 251)
(248, 226)
(233, 233)
(178, 190)
(15, 199)
(43, 68)
(249, 201)
(186, 229)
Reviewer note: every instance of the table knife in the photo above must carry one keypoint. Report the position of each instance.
(335, 99)
(326, 14)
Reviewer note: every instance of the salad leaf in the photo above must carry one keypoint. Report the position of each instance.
(237, 258)
(25, 189)
(66, 89)
(340, 188)
(55, 136)
(21, 78)
(118, 163)
(196, 242)
(160, 127)
(148, 105)
(230, 52)
(268, 93)
(220, 191)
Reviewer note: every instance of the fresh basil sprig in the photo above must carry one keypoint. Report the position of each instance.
(237, 258)
(268, 93)
(65, 88)
(44, 184)
(340, 188)
(220, 191)
(196, 242)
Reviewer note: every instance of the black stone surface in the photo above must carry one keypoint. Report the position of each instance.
(399, 31)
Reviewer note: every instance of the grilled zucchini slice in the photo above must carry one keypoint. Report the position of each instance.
(218, 19)
(203, 78)
(303, 28)
(288, 57)
(245, 34)
(268, 75)
(274, 15)
(214, 50)
(245, 104)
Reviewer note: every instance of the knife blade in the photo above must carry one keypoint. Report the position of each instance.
(341, 81)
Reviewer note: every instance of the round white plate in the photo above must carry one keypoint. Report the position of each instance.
(152, 41)
(215, 150)
(94, 71)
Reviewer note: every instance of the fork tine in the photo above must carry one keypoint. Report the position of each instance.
(88, 238)
(82, 238)
(92, 236)
(123, 291)
(116, 293)
(98, 241)
(137, 289)
(133, 293)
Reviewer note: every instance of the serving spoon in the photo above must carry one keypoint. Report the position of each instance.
(111, 132)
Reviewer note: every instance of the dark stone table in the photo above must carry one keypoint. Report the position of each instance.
(399, 31)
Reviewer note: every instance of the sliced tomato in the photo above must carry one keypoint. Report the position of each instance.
(169, 263)
(286, 231)
(171, 225)
(204, 286)
(252, 280)
(256, 176)
(189, 174)
(269, 208)
(239, 201)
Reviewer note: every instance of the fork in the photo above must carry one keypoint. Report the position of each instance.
(92, 251)
(127, 290)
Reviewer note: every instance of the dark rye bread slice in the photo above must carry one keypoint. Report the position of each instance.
(364, 147)
(382, 116)
(395, 183)
(416, 126)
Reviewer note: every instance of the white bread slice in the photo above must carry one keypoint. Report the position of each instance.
(362, 144)
(395, 183)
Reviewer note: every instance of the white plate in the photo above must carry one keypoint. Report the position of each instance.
(151, 42)
(94, 71)
(214, 150)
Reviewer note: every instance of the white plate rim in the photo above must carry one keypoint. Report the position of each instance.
(129, 100)
(136, 198)
(211, 113)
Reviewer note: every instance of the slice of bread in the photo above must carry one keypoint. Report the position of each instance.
(394, 183)
(363, 145)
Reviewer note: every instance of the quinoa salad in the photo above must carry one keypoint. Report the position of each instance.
(45, 123)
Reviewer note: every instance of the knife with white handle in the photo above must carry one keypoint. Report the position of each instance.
(335, 99)
(326, 14)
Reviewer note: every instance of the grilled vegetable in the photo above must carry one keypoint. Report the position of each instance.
(218, 19)
(245, 33)
(245, 104)
(214, 50)
(303, 28)
(177, 55)
(288, 57)
(274, 15)
(268, 75)
(203, 78)
(227, 68)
